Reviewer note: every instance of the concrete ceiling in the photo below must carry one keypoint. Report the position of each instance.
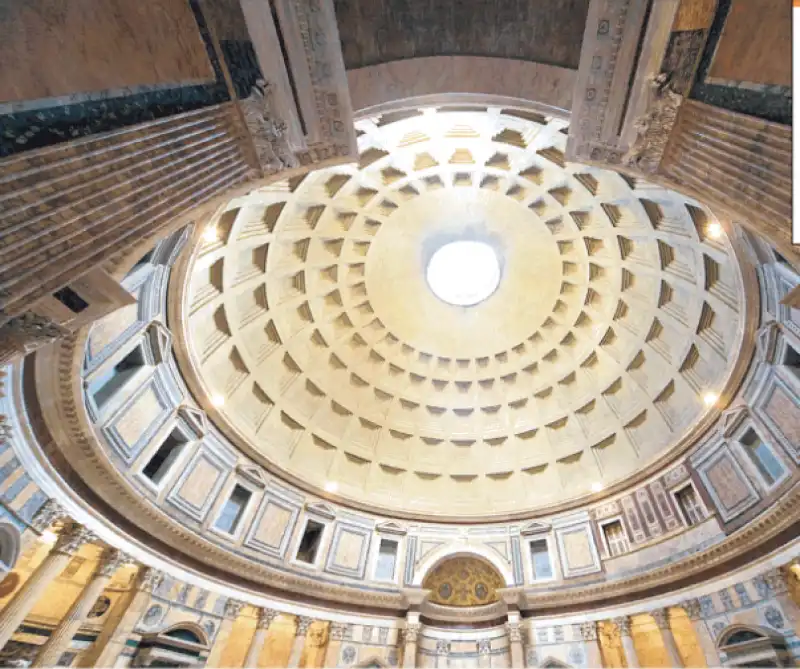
(379, 31)
(311, 316)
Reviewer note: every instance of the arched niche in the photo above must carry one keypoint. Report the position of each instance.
(10, 540)
(752, 646)
(463, 580)
(184, 644)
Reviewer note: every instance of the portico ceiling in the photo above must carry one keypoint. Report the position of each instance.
(314, 331)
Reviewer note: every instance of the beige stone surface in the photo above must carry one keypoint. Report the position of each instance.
(201, 479)
(614, 314)
(444, 75)
(139, 416)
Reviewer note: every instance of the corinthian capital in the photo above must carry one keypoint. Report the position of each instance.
(623, 623)
(233, 608)
(303, 623)
(265, 618)
(661, 616)
(150, 579)
(589, 631)
(693, 608)
(72, 538)
(48, 514)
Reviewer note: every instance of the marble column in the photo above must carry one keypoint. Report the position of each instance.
(232, 609)
(119, 626)
(591, 642)
(515, 640)
(694, 611)
(623, 623)
(484, 653)
(61, 638)
(265, 618)
(661, 616)
(11, 617)
(413, 628)
(303, 623)
(335, 638)
(48, 514)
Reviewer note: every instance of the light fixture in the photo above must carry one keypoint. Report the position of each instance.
(217, 400)
(210, 234)
(714, 230)
(331, 486)
(710, 399)
(48, 537)
(463, 273)
(597, 486)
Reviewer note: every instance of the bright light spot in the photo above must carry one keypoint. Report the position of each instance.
(217, 400)
(331, 486)
(49, 537)
(210, 234)
(714, 230)
(710, 399)
(597, 486)
(463, 273)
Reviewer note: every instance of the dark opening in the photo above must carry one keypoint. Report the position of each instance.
(183, 634)
(158, 465)
(791, 359)
(71, 300)
(232, 512)
(105, 385)
(309, 544)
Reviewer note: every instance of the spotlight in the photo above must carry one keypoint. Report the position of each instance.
(714, 230)
(217, 400)
(210, 234)
(48, 537)
(710, 399)
(331, 486)
(597, 486)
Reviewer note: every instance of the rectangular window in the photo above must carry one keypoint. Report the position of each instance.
(103, 387)
(162, 460)
(71, 300)
(791, 360)
(762, 457)
(540, 559)
(690, 506)
(616, 540)
(309, 543)
(387, 560)
(233, 510)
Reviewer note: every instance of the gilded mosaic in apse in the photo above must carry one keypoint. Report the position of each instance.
(463, 581)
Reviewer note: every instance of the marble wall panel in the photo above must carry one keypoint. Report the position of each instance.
(272, 527)
(727, 483)
(349, 550)
(52, 48)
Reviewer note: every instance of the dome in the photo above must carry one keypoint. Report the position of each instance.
(588, 344)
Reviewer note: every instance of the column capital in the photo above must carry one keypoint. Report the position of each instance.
(442, 646)
(149, 579)
(303, 623)
(514, 632)
(589, 631)
(623, 623)
(693, 608)
(484, 646)
(412, 632)
(72, 538)
(111, 560)
(776, 581)
(338, 631)
(233, 607)
(661, 616)
(50, 512)
(265, 618)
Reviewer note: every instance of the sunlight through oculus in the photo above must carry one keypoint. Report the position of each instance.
(463, 273)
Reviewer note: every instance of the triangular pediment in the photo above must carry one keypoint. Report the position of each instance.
(731, 420)
(767, 341)
(321, 509)
(535, 527)
(390, 527)
(160, 341)
(196, 420)
(252, 474)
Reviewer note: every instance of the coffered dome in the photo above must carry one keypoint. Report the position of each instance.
(606, 320)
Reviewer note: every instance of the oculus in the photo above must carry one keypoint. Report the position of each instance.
(463, 273)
